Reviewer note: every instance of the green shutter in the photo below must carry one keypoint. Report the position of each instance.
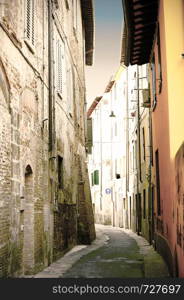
(96, 177)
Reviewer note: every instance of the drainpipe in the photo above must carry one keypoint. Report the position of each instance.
(127, 152)
(101, 158)
(138, 125)
(50, 74)
(138, 156)
(151, 204)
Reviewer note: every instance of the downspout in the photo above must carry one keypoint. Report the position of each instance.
(138, 126)
(151, 205)
(127, 152)
(101, 158)
(50, 74)
(138, 157)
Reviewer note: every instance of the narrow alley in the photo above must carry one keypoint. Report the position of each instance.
(116, 253)
(91, 139)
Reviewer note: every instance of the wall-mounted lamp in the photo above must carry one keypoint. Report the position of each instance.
(112, 115)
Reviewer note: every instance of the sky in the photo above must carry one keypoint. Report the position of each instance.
(108, 34)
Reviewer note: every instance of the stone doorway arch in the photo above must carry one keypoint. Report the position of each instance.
(28, 241)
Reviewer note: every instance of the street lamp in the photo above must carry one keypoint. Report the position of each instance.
(112, 115)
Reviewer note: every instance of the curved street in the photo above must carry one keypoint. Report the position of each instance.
(116, 253)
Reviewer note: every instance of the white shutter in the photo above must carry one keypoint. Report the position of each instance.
(59, 65)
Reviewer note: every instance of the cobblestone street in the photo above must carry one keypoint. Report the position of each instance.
(116, 253)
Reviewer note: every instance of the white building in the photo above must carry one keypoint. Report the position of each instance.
(119, 151)
(107, 161)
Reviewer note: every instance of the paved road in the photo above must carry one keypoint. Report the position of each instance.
(119, 257)
(115, 253)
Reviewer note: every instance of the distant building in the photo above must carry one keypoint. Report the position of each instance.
(107, 158)
(45, 201)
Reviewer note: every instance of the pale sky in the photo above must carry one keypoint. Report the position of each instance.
(108, 34)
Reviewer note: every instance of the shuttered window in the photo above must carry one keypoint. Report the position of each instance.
(59, 65)
(89, 135)
(70, 90)
(96, 177)
(30, 21)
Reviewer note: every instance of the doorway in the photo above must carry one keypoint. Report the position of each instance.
(28, 240)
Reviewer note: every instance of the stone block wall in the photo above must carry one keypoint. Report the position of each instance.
(38, 220)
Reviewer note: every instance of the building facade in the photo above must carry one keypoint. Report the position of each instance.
(154, 41)
(45, 201)
(107, 160)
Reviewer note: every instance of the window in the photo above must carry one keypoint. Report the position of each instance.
(59, 65)
(60, 172)
(29, 22)
(144, 204)
(89, 143)
(158, 182)
(96, 177)
(144, 146)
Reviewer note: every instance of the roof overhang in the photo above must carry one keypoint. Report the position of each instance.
(109, 86)
(139, 30)
(88, 21)
(93, 106)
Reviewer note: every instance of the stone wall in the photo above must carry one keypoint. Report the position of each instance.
(38, 219)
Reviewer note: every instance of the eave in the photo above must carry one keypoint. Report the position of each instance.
(139, 31)
(93, 106)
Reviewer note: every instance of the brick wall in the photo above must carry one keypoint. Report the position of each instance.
(38, 221)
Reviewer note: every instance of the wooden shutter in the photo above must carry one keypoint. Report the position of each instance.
(89, 135)
(96, 177)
